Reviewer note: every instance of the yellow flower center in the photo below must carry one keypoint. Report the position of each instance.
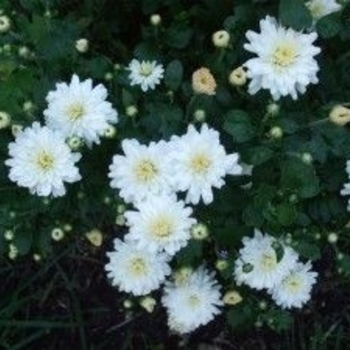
(284, 56)
(145, 171)
(293, 283)
(162, 227)
(137, 267)
(194, 300)
(200, 164)
(268, 262)
(45, 160)
(75, 111)
(146, 69)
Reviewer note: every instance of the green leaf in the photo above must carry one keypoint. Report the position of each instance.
(300, 178)
(286, 214)
(294, 13)
(173, 75)
(329, 26)
(237, 124)
(257, 155)
(308, 250)
(178, 36)
(240, 316)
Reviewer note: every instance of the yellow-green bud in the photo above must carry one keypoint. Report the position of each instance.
(232, 297)
(238, 77)
(148, 303)
(57, 234)
(5, 120)
(95, 237)
(199, 231)
(131, 111)
(221, 39)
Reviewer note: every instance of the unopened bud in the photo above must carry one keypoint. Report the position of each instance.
(221, 39)
(340, 115)
(238, 77)
(232, 298)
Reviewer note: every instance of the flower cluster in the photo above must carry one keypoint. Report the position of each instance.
(161, 225)
(41, 160)
(260, 267)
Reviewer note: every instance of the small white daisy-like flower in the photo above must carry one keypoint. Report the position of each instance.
(79, 109)
(257, 265)
(161, 223)
(285, 64)
(200, 163)
(192, 303)
(142, 172)
(295, 288)
(136, 271)
(147, 74)
(321, 8)
(42, 161)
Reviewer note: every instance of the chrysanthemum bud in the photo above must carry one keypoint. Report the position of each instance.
(221, 39)
(110, 132)
(5, 120)
(128, 304)
(340, 256)
(108, 76)
(340, 115)
(203, 82)
(9, 235)
(155, 19)
(5, 24)
(36, 257)
(182, 275)
(238, 77)
(317, 236)
(67, 227)
(332, 238)
(82, 45)
(7, 48)
(28, 107)
(95, 237)
(262, 305)
(120, 220)
(131, 111)
(16, 128)
(199, 116)
(307, 158)
(57, 234)
(107, 200)
(276, 132)
(24, 52)
(232, 297)
(221, 265)
(74, 143)
(13, 252)
(121, 208)
(199, 231)
(273, 109)
(148, 303)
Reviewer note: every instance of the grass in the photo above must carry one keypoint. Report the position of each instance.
(65, 302)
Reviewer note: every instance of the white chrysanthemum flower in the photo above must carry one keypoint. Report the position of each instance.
(257, 265)
(192, 303)
(321, 8)
(136, 271)
(161, 223)
(42, 162)
(285, 64)
(147, 74)
(346, 190)
(79, 109)
(295, 288)
(142, 172)
(200, 163)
